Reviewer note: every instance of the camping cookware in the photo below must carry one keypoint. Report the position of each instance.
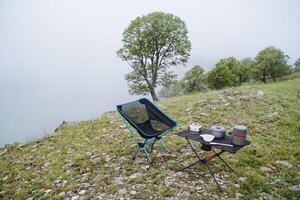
(195, 127)
(218, 131)
(207, 137)
(221, 144)
(239, 134)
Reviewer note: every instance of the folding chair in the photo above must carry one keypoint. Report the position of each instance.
(148, 121)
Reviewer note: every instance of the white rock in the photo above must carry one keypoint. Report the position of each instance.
(135, 175)
(107, 158)
(238, 195)
(5, 178)
(122, 191)
(260, 94)
(284, 163)
(75, 197)
(265, 169)
(47, 191)
(62, 194)
(133, 192)
(82, 192)
(295, 187)
(64, 183)
(88, 154)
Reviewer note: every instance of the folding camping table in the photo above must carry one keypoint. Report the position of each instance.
(189, 135)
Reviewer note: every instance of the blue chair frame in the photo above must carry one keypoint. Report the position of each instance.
(147, 137)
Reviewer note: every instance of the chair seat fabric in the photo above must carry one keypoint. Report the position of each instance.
(146, 118)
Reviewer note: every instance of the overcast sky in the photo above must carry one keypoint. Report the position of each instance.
(58, 58)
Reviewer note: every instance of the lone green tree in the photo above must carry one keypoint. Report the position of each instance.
(151, 45)
(220, 76)
(193, 80)
(271, 62)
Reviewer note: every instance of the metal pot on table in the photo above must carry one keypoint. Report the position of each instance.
(218, 131)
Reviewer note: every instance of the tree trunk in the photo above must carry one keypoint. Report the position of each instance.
(264, 78)
(152, 92)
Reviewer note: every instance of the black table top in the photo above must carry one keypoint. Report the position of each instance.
(226, 140)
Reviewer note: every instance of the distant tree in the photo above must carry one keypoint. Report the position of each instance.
(171, 90)
(151, 44)
(297, 65)
(271, 62)
(220, 76)
(193, 80)
(239, 69)
(246, 68)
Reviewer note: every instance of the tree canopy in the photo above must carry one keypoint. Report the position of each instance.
(270, 62)
(193, 80)
(220, 76)
(151, 44)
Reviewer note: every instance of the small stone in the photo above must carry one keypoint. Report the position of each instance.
(122, 191)
(295, 187)
(237, 185)
(133, 192)
(56, 183)
(146, 167)
(107, 158)
(135, 175)
(82, 192)
(47, 191)
(122, 127)
(265, 169)
(5, 178)
(238, 195)
(96, 161)
(62, 194)
(260, 94)
(30, 198)
(75, 197)
(284, 163)
(243, 179)
(88, 154)
(70, 193)
(204, 114)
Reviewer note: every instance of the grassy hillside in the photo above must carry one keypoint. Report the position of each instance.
(92, 159)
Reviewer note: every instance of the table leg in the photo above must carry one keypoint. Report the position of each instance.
(227, 164)
(219, 156)
(190, 166)
(193, 149)
(213, 175)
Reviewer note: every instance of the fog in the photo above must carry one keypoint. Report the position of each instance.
(58, 58)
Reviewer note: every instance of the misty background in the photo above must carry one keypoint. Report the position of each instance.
(58, 58)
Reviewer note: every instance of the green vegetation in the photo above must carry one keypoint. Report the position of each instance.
(93, 158)
(151, 44)
(297, 65)
(193, 80)
(270, 63)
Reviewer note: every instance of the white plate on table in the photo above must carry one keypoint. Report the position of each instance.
(207, 137)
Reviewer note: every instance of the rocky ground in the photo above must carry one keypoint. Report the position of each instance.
(92, 159)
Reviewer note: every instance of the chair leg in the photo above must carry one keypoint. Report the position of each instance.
(152, 145)
(147, 155)
(164, 145)
(135, 152)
